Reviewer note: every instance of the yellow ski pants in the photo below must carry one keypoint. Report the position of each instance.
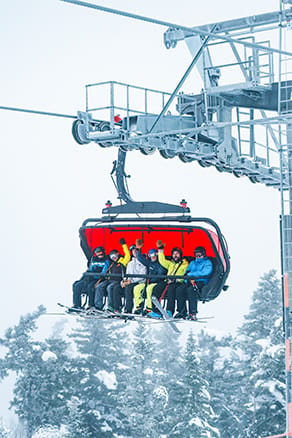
(138, 299)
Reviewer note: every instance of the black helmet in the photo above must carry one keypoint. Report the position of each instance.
(114, 255)
(200, 250)
(99, 249)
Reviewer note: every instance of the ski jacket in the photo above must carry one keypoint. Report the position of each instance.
(124, 260)
(98, 265)
(117, 269)
(135, 267)
(173, 268)
(200, 269)
(154, 268)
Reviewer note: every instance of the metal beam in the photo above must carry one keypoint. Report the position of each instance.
(236, 24)
(245, 74)
(183, 79)
(175, 26)
(191, 131)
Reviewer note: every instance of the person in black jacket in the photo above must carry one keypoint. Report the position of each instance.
(154, 269)
(117, 268)
(98, 263)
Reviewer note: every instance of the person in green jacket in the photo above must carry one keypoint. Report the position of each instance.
(171, 288)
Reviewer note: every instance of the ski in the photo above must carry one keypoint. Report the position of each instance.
(165, 315)
(71, 309)
(108, 315)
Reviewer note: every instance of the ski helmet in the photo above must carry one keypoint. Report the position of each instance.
(200, 250)
(99, 249)
(114, 255)
(132, 247)
(152, 252)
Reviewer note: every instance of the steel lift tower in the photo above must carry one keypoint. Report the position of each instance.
(241, 127)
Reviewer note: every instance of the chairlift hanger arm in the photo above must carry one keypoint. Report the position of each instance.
(121, 184)
(192, 31)
(131, 206)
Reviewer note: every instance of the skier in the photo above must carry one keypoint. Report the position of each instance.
(172, 288)
(200, 270)
(154, 268)
(98, 263)
(116, 266)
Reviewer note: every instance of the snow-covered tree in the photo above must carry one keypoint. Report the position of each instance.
(140, 395)
(261, 338)
(51, 432)
(4, 431)
(221, 362)
(43, 374)
(190, 400)
(92, 406)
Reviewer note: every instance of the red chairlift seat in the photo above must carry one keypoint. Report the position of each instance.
(185, 232)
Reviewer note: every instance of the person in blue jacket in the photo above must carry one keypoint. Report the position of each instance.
(98, 263)
(200, 270)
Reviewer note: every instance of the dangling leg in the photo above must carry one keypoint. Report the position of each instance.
(171, 293)
(100, 292)
(192, 294)
(138, 298)
(79, 287)
(149, 291)
(181, 297)
(129, 297)
(118, 293)
(110, 291)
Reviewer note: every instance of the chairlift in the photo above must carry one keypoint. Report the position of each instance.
(152, 221)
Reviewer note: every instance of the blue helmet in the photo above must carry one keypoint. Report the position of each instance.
(152, 252)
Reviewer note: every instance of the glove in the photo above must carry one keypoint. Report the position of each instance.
(122, 241)
(160, 245)
(139, 243)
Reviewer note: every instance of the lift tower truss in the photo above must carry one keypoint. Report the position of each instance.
(243, 127)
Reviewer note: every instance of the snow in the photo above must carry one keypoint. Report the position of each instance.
(106, 427)
(196, 421)
(161, 393)
(206, 393)
(148, 371)
(122, 366)
(274, 387)
(263, 343)
(274, 350)
(226, 353)
(108, 379)
(49, 355)
(278, 322)
(52, 432)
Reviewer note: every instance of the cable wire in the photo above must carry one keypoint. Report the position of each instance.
(42, 113)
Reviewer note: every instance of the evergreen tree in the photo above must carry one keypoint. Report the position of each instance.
(262, 342)
(93, 406)
(140, 395)
(4, 432)
(221, 362)
(43, 374)
(190, 401)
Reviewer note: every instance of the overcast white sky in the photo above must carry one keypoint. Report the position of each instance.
(49, 184)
